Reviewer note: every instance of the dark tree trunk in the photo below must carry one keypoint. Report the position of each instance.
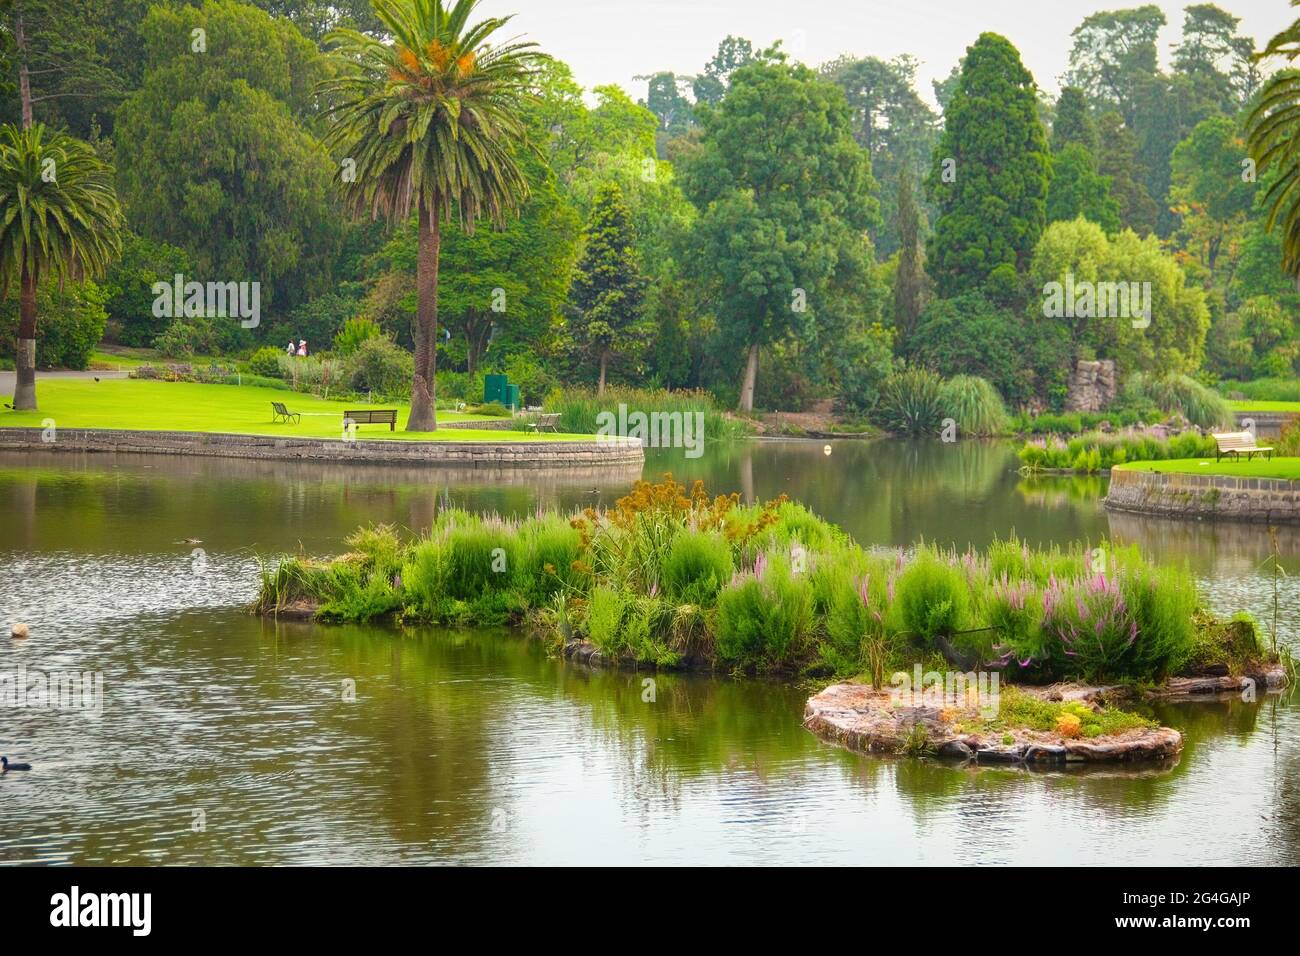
(25, 361)
(604, 363)
(24, 80)
(424, 386)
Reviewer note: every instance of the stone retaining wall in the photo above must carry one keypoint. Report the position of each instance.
(471, 454)
(1272, 500)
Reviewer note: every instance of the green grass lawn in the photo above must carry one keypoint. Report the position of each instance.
(237, 409)
(1250, 405)
(1288, 468)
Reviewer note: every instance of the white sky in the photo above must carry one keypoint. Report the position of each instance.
(611, 41)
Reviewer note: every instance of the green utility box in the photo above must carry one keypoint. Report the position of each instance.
(494, 389)
(512, 397)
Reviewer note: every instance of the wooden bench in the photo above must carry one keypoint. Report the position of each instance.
(543, 422)
(279, 412)
(372, 416)
(1237, 444)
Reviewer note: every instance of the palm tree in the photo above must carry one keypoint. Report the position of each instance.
(59, 218)
(430, 119)
(1273, 138)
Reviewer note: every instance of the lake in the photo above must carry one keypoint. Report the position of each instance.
(225, 739)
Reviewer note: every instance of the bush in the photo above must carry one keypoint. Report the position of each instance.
(381, 366)
(265, 361)
(911, 403)
(1181, 395)
(764, 616)
(69, 323)
(975, 405)
(354, 332)
(696, 567)
(865, 362)
(931, 598)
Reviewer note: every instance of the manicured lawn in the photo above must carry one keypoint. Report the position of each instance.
(240, 409)
(1250, 405)
(1258, 468)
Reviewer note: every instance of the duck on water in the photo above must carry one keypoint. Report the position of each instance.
(6, 766)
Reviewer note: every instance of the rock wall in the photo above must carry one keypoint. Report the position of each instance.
(471, 454)
(1271, 500)
(1093, 386)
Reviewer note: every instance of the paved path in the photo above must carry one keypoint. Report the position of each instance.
(9, 379)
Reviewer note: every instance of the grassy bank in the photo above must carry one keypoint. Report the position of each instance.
(1285, 468)
(671, 576)
(580, 409)
(234, 409)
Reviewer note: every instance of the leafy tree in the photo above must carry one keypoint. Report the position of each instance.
(60, 218)
(1117, 160)
(1078, 253)
(784, 195)
(910, 280)
(1209, 191)
(1073, 123)
(1218, 61)
(1077, 189)
(891, 121)
(711, 85)
(1113, 54)
(431, 119)
(608, 288)
(316, 18)
(664, 98)
(990, 172)
(1167, 110)
(253, 203)
(128, 285)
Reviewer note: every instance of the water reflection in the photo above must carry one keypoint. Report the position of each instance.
(476, 746)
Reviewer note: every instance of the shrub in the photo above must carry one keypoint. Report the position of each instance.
(764, 616)
(381, 366)
(1182, 395)
(696, 567)
(69, 323)
(931, 598)
(549, 546)
(265, 361)
(491, 409)
(975, 405)
(354, 332)
(911, 403)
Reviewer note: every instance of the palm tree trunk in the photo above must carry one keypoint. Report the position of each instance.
(25, 362)
(751, 375)
(424, 386)
(604, 362)
(24, 79)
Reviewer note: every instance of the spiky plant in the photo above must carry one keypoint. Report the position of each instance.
(1273, 143)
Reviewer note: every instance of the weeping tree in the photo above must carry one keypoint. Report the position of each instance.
(59, 219)
(1273, 139)
(430, 118)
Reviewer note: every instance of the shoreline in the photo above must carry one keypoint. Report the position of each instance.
(1201, 497)
(473, 454)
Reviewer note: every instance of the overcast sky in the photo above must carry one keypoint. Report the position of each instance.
(611, 41)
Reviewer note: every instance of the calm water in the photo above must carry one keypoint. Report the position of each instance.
(226, 739)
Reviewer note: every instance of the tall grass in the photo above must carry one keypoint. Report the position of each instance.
(1265, 389)
(1182, 395)
(1094, 452)
(579, 409)
(975, 405)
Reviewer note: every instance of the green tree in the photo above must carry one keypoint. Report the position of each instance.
(1210, 190)
(431, 119)
(1077, 189)
(129, 288)
(59, 217)
(910, 280)
(1212, 55)
(784, 197)
(254, 202)
(1113, 54)
(1073, 123)
(711, 85)
(1117, 160)
(990, 173)
(608, 288)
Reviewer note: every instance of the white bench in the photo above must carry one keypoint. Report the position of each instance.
(1237, 444)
